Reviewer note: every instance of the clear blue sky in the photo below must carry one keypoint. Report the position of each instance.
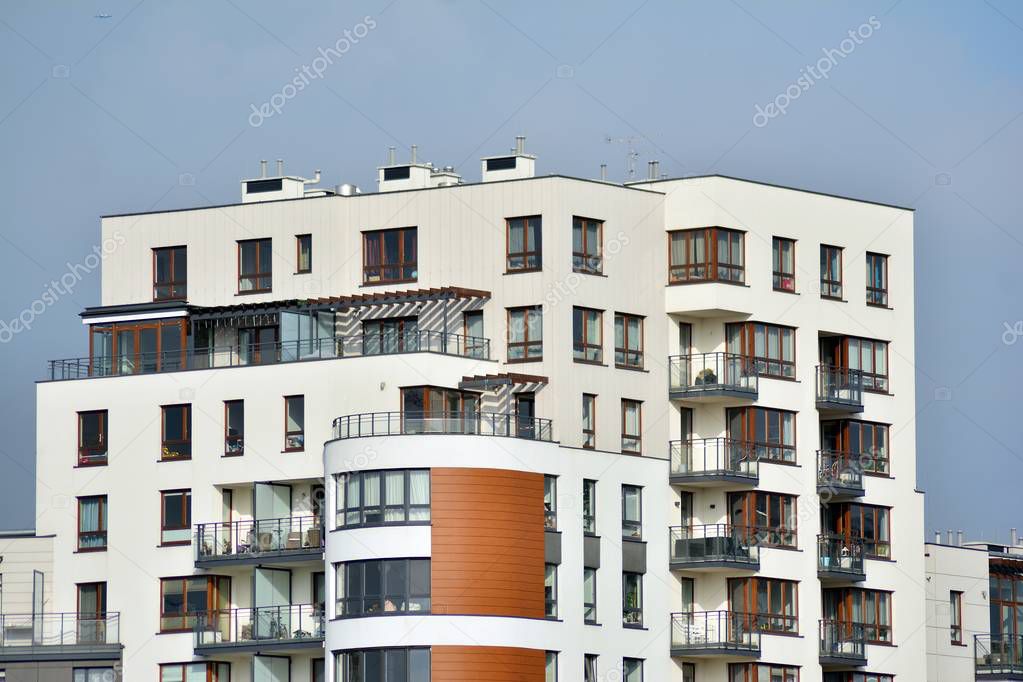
(150, 109)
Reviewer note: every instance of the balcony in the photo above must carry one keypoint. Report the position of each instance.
(842, 643)
(998, 657)
(422, 423)
(296, 538)
(839, 389)
(714, 633)
(712, 377)
(331, 348)
(840, 559)
(280, 629)
(839, 475)
(59, 636)
(713, 462)
(714, 547)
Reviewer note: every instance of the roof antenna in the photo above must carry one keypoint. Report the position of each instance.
(630, 157)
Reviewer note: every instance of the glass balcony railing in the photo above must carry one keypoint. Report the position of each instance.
(713, 458)
(839, 388)
(842, 642)
(710, 632)
(261, 625)
(712, 374)
(53, 632)
(718, 544)
(998, 656)
(296, 535)
(417, 423)
(840, 557)
(359, 345)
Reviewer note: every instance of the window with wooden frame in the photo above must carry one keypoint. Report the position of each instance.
(176, 432)
(524, 244)
(853, 609)
(867, 356)
(137, 347)
(187, 599)
(92, 438)
(91, 608)
(877, 279)
(632, 426)
(195, 672)
(234, 428)
(525, 334)
(390, 335)
(771, 347)
(255, 266)
(867, 523)
(438, 402)
(587, 246)
(762, 672)
(783, 257)
(1006, 589)
(175, 517)
(628, 341)
(706, 254)
(587, 335)
(170, 273)
(864, 444)
(831, 272)
(294, 423)
(390, 256)
(589, 421)
(955, 615)
(769, 433)
(92, 523)
(766, 604)
(303, 254)
(768, 519)
(474, 342)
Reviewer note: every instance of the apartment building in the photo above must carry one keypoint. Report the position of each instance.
(526, 428)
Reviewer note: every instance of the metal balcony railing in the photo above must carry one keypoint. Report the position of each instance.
(720, 543)
(842, 641)
(416, 423)
(712, 374)
(996, 655)
(261, 625)
(55, 630)
(839, 472)
(840, 556)
(358, 345)
(727, 632)
(242, 539)
(714, 458)
(839, 388)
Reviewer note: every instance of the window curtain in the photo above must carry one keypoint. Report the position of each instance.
(535, 322)
(394, 489)
(89, 513)
(516, 236)
(419, 494)
(678, 248)
(632, 420)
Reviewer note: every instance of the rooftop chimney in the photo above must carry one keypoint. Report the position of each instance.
(262, 168)
(949, 535)
(390, 156)
(937, 537)
(1013, 537)
(514, 165)
(520, 144)
(960, 536)
(653, 169)
(603, 172)
(280, 167)
(415, 149)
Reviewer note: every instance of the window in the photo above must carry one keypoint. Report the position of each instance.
(476, 344)
(303, 253)
(405, 664)
(768, 519)
(525, 334)
(255, 274)
(390, 335)
(394, 496)
(831, 272)
(955, 613)
(176, 517)
(319, 669)
(1006, 592)
(92, 438)
(771, 347)
(587, 240)
(632, 599)
(551, 666)
(632, 512)
(550, 590)
(865, 444)
(628, 341)
(550, 502)
(590, 596)
(871, 609)
(91, 608)
(589, 667)
(390, 256)
(435, 409)
(234, 427)
(193, 672)
(857, 677)
(771, 434)
(632, 426)
(184, 600)
(294, 423)
(868, 356)
(877, 279)
(587, 335)
(632, 670)
(769, 605)
(177, 432)
(382, 586)
(862, 522)
(137, 347)
(92, 523)
(783, 253)
(170, 273)
(589, 420)
(688, 672)
(711, 254)
(762, 672)
(524, 244)
(589, 507)
(92, 675)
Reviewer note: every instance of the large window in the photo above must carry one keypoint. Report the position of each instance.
(831, 272)
(393, 496)
(183, 600)
(868, 523)
(1006, 604)
(632, 670)
(92, 438)
(762, 672)
(390, 335)
(433, 408)
(589, 507)
(877, 279)
(868, 356)
(772, 347)
(525, 334)
(771, 434)
(587, 335)
(705, 255)
(176, 439)
(95, 675)
(382, 586)
(524, 244)
(770, 605)
(769, 519)
(628, 341)
(405, 664)
(550, 591)
(853, 608)
(175, 517)
(303, 254)
(632, 599)
(170, 273)
(294, 423)
(137, 347)
(255, 273)
(92, 523)
(390, 256)
(865, 444)
(632, 512)
(550, 502)
(193, 672)
(783, 255)
(632, 426)
(589, 420)
(590, 596)
(587, 250)
(234, 427)
(955, 614)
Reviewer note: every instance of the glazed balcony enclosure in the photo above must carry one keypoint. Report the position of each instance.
(713, 462)
(461, 423)
(60, 636)
(839, 475)
(998, 657)
(842, 643)
(839, 389)
(713, 547)
(703, 634)
(712, 377)
(281, 629)
(290, 539)
(840, 559)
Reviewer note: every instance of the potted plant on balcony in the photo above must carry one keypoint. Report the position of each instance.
(706, 376)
